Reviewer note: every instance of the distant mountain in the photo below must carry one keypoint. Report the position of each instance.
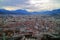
(55, 12)
(3, 11)
(21, 12)
(42, 12)
(16, 12)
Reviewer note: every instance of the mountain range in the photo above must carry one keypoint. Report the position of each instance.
(16, 12)
(55, 12)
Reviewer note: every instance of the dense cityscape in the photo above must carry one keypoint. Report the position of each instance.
(19, 25)
(29, 19)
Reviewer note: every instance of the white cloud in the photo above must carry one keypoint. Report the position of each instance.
(37, 5)
(31, 5)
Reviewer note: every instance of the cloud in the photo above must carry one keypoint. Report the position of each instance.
(31, 5)
(56, 1)
(37, 5)
(13, 2)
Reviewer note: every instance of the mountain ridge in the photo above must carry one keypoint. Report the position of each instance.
(25, 12)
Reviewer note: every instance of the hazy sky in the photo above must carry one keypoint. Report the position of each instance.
(30, 5)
